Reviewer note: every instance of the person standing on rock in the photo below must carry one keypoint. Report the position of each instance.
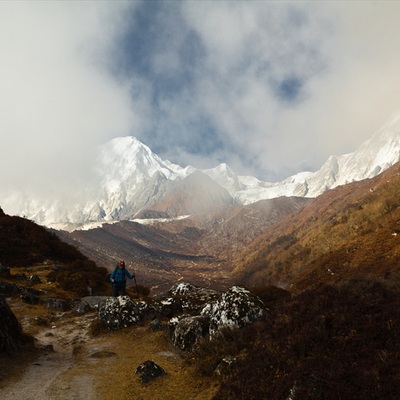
(118, 279)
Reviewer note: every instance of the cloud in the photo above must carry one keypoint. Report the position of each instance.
(277, 86)
(247, 63)
(56, 101)
(270, 88)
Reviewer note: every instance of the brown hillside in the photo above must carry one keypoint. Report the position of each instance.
(198, 249)
(24, 243)
(351, 230)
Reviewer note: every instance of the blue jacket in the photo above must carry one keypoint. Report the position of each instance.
(119, 275)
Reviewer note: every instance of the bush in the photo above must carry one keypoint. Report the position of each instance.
(79, 276)
(326, 343)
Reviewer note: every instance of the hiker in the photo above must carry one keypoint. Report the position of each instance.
(118, 278)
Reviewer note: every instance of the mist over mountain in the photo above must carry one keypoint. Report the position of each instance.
(132, 181)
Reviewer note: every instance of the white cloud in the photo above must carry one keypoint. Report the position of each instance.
(57, 103)
(270, 88)
(345, 54)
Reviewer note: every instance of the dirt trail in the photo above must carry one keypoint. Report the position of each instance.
(102, 367)
(44, 377)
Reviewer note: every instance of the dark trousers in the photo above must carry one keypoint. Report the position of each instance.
(118, 291)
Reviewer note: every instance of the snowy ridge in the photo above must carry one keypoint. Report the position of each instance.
(370, 159)
(132, 178)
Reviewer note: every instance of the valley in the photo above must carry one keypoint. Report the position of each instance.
(198, 249)
(325, 272)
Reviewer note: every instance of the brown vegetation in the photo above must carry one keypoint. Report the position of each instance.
(333, 330)
(198, 249)
(350, 230)
(331, 342)
(23, 243)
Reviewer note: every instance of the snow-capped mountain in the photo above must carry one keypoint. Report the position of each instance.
(371, 158)
(133, 181)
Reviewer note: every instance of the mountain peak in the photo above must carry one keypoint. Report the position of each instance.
(132, 178)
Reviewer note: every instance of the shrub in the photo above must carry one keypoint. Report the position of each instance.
(325, 343)
(78, 276)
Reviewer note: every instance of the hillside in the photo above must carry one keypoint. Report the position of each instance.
(333, 334)
(348, 231)
(23, 242)
(197, 249)
(51, 351)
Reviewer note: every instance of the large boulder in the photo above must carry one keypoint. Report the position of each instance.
(193, 298)
(10, 329)
(235, 308)
(168, 306)
(147, 311)
(173, 322)
(89, 303)
(119, 312)
(188, 331)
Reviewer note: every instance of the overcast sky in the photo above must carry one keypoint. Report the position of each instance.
(270, 88)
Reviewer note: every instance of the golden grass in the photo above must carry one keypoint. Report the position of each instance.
(109, 377)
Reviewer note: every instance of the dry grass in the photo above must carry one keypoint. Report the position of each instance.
(327, 343)
(349, 230)
(115, 378)
(110, 376)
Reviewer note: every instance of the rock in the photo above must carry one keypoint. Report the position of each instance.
(148, 371)
(189, 331)
(146, 311)
(8, 289)
(156, 325)
(93, 301)
(47, 348)
(30, 295)
(103, 354)
(30, 290)
(10, 329)
(236, 308)
(57, 267)
(119, 312)
(4, 271)
(30, 298)
(193, 298)
(168, 306)
(34, 279)
(182, 289)
(57, 304)
(21, 277)
(173, 322)
(82, 307)
(40, 321)
(225, 366)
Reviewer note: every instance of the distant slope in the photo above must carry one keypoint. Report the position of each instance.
(195, 194)
(198, 249)
(353, 229)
